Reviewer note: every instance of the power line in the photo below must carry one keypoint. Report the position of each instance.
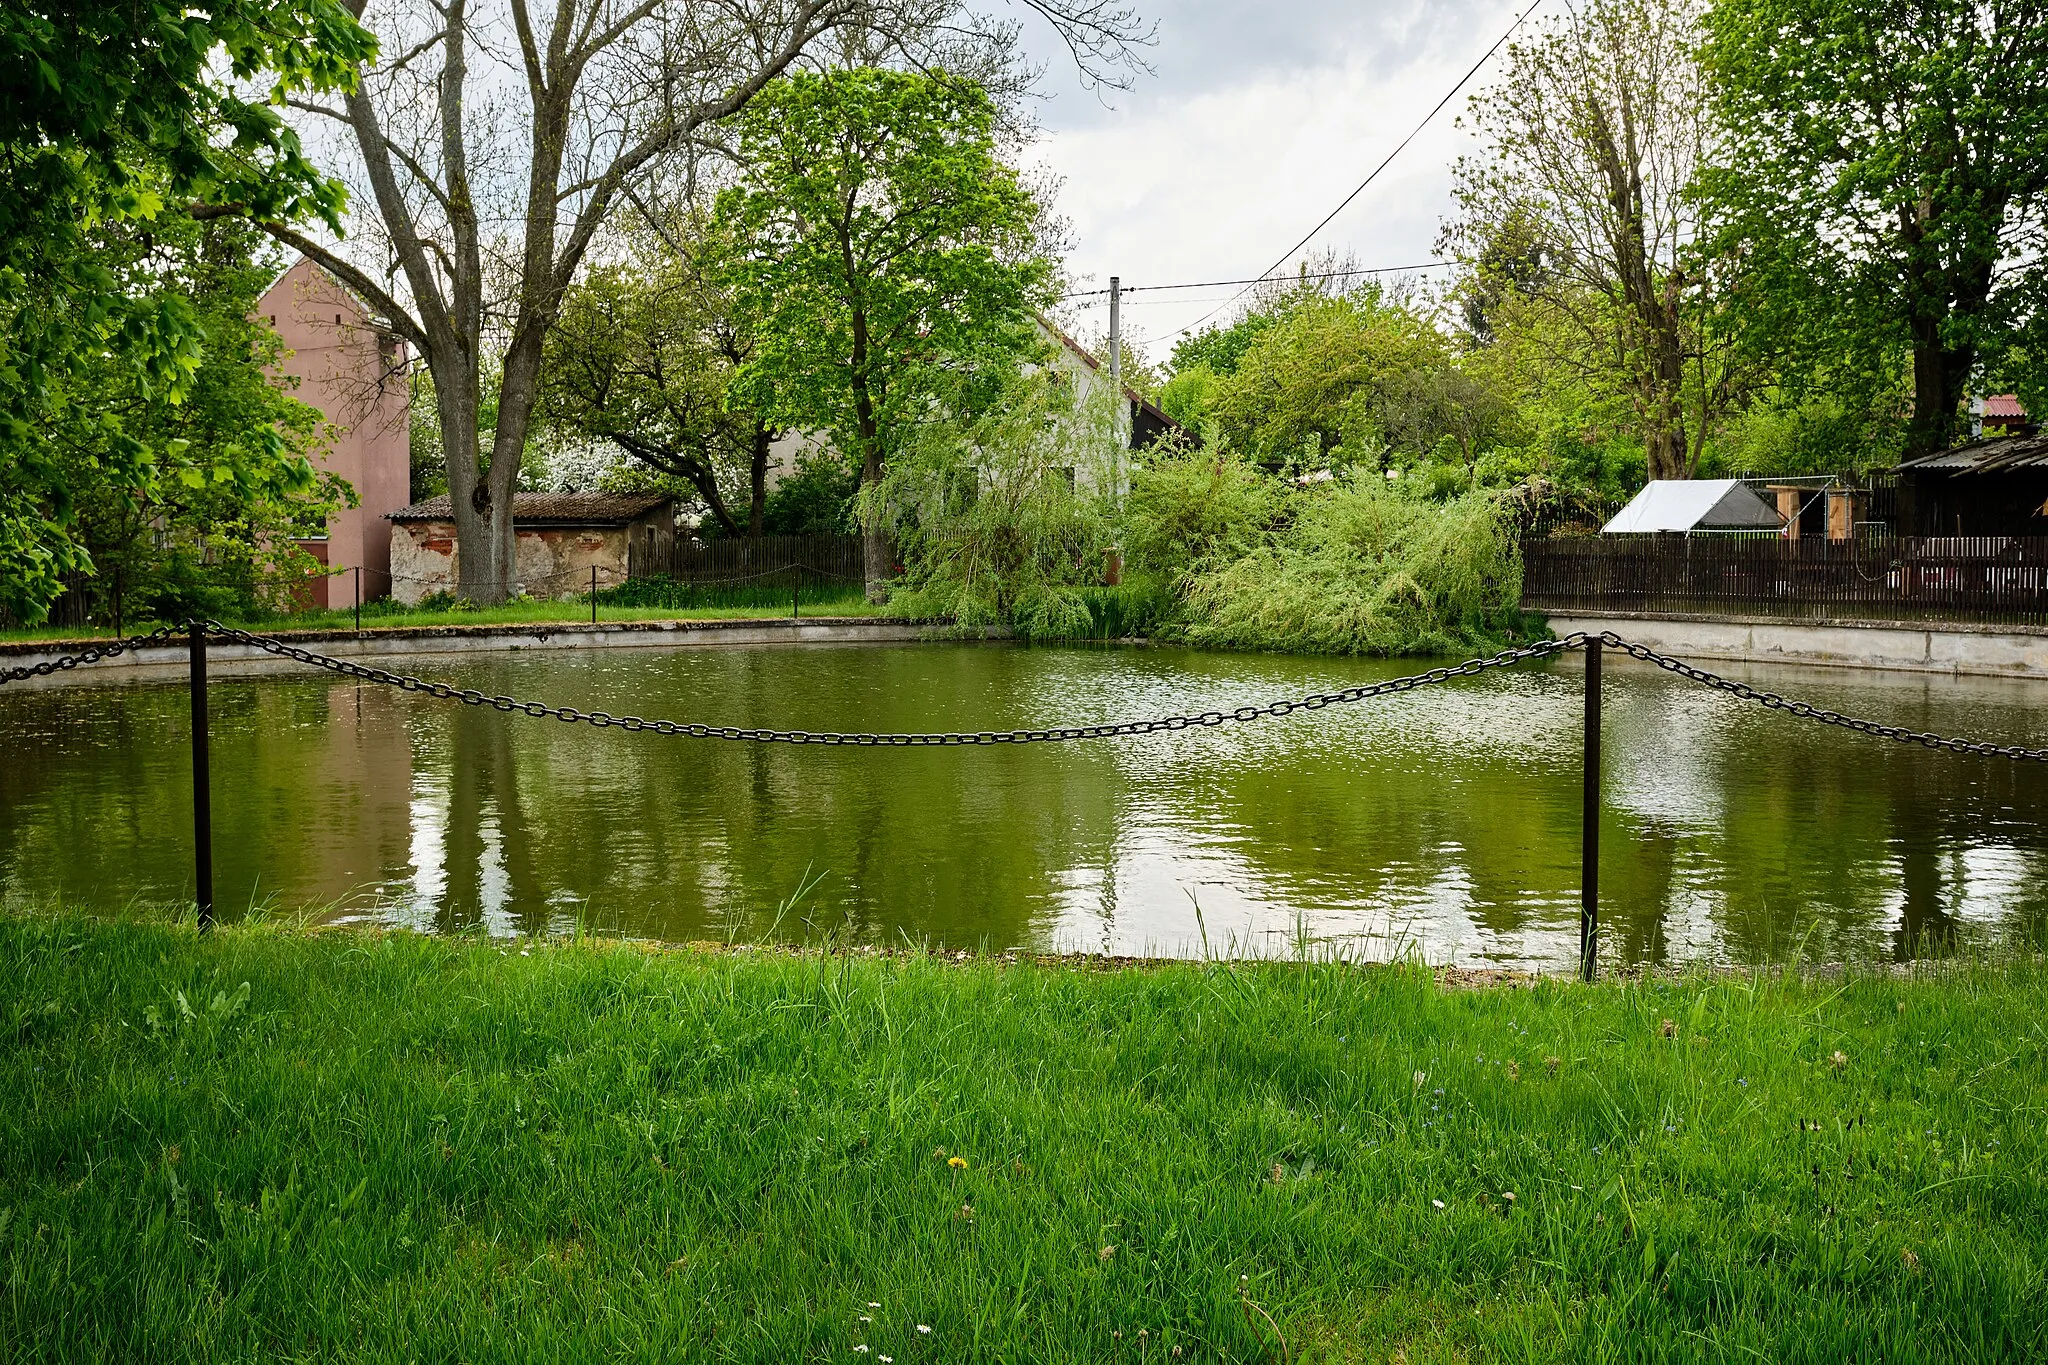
(1435, 109)
(1218, 284)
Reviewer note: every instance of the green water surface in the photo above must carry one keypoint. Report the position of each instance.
(1447, 819)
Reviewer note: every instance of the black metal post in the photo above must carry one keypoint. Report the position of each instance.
(593, 594)
(359, 599)
(202, 785)
(120, 576)
(795, 582)
(1589, 864)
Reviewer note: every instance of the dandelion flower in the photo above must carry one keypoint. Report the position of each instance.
(958, 1163)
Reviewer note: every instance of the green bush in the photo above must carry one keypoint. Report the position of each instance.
(1361, 568)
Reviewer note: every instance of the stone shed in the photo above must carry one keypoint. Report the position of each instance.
(560, 537)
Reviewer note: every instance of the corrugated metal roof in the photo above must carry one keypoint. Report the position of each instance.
(2004, 405)
(1986, 456)
(1694, 505)
(552, 509)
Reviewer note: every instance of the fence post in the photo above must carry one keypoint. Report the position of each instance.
(202, 784)
(795, 583)
(593, 594)
(1589, 855)
(359, 599)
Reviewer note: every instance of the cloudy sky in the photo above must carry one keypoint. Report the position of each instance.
(1259, 118)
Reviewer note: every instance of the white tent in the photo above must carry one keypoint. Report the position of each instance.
(1694, 505)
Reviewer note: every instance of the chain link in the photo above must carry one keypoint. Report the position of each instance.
(1314, 702)
(1808, 711)
(91, 656)
(1506, 658)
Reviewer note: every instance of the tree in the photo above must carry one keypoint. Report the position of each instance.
(1597, 129)
(494, 173)
(644, 356)
(885, 256)
(215, 530)
(1885, 179)
(1330, 372)
(116, 116)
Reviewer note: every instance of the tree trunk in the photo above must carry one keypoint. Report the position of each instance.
(1940, 376)
(757, 506)
(876, 567)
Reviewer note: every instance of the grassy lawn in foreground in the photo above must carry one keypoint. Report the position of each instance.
(268, 1145)
(826, 603)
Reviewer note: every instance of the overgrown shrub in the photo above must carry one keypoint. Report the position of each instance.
(1360, 568)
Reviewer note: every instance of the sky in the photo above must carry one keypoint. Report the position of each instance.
(1258, 119)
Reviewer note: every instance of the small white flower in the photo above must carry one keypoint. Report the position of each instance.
(865, 1318)
(1436, 1203)
(923, 1330)
(874, 1305)
(887, 1360)
(861, 1349)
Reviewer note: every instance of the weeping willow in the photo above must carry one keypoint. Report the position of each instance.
(1358, 567)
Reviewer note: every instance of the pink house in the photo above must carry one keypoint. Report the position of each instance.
(355, 374)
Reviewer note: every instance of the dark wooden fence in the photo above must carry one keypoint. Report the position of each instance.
(1991, 579)
(768, 560)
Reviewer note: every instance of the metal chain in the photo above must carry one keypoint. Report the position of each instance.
(1506, 658)
(1315, 702)
(1808, 711)
(90, 656)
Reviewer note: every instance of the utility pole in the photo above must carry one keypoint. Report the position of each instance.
(1122, 476)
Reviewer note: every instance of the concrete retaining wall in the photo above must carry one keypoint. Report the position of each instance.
(398, 647)
(1987, 651)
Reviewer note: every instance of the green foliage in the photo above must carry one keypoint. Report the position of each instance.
(1196, 510)
(441, 1149)
(1360, 568)
(817, 499)
(113, 119)
(882, 253)
(644, 356)
(999, 521)
(230, 483)
(1883, 177)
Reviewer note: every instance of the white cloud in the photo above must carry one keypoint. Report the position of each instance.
(1260, 119)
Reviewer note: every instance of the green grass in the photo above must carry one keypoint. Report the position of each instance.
(270, 1145)
(381, 615)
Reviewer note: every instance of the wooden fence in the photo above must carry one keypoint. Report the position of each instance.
(770, 560)
(1990, 579)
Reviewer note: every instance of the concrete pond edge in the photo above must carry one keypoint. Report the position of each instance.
(226, 659)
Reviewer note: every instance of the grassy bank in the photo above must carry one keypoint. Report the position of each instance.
(276, 1146)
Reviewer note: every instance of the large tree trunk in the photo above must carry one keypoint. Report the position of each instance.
(876, 567)
(1941, 375)
(757, 505)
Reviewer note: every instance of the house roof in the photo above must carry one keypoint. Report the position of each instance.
(1087, 357)
(1988, 456)
(551, 509)
(1694, 505)
(2003, 405)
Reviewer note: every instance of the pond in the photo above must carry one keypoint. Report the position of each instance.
(1444, 821)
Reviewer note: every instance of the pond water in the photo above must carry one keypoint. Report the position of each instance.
(1445, 820)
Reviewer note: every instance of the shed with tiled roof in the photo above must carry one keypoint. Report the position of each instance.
(563, 543)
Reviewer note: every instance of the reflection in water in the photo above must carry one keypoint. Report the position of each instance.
(1445, 820)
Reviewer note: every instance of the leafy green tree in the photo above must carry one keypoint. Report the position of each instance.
(885, 257)
(1583, 200)
(118, 115)
(233, 488)
(1885, 178)
(644, 356)
(1330, 373)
